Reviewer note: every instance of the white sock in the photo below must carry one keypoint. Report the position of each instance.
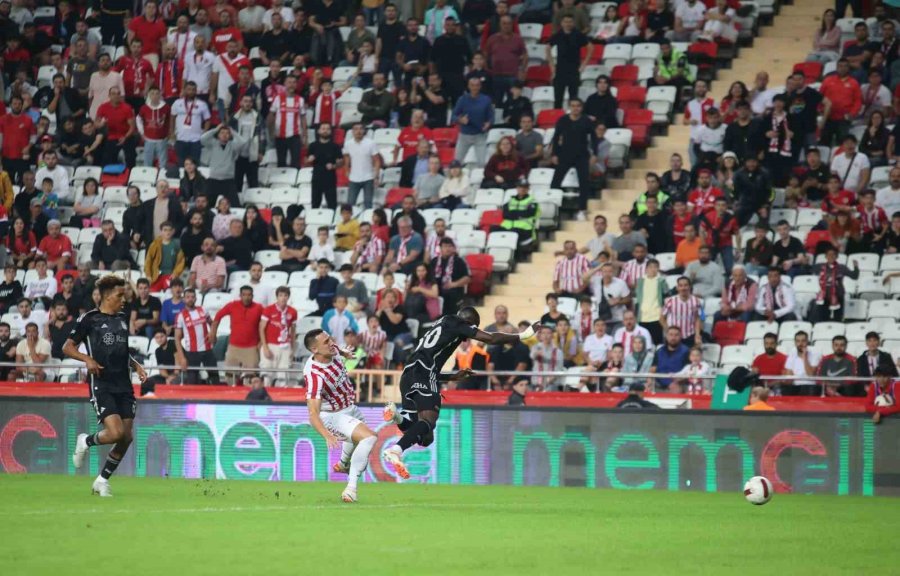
(360, 460)
(346, 451)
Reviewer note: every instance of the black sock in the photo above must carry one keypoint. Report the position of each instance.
(414, 434)
(109, 467)
(92, 439)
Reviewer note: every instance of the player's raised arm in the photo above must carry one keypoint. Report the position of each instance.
(504, 338)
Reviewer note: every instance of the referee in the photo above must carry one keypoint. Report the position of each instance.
(104, 331)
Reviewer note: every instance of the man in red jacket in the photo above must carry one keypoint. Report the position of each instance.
(886, 388)
(243, 342)
(137, 75)
(843, 100)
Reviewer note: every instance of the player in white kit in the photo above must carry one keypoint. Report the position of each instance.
(331, 399)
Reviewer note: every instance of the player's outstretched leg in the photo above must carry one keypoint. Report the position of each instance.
(116, 431)
(365, 441)
(343, 467)
(420, 432)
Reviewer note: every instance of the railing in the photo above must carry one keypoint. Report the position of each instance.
(382, 385)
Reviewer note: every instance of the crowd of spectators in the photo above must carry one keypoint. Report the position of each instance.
(186, 107)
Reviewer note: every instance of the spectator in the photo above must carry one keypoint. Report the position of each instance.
(758, 256)
(883, 385)
(323, 288)
(869, 361)
(451, 274)
(567, 341)
(567, 68)
(702, 199)
(56, 248)
(742, 137)
(164, 260)
(840, 364)
(207, 269)
(474, 112)
(39, 220)
(688, 249)
(323, 248)
(255, 228)
(368, 252)
(294, 251)
(829, 302)
(689, 19)
(224, 147)
(165, 207)
(718, 227)
(117, 118)
(640, 360)
(416, 164)
(758, 397)
(451, 53)
(625, 335)
(236, 248)
(597, 345)
(428, 185)
(570, 149)
(356, 293)
(739, 297)
(570, 272)
(190, 118)
(705, 274)
(635, 398)
(21, 244)
(325, 157)
(843, 100)
(685, 311)
(405, 249)
(671, 67)
(676, 182)
(58, 174)
(875, 98)
(546, 357)
(516, 107)
(10, 290)
(422, 293)
(277, 330)
(803, 105)
(636, 267)
(145, 311)
(193, 342)
(753, 191)
(454, 188)
(172, 306)
(719, 23)
(247, 124)
(84, 287)
(376, 104)
(221, 223)
(27, 315)
(393, 323)
(338, 320)
(244, 339)
(775, 302)
(519, 388)
(788, 252)
(505, 168)
(553, 315)
(827, 41)
(478, 70)
(59, 329)
(104, 79)
(710, 140)
(42, 287)
(413, 52)
(670, 358)
(262, 293)
(771, 362)
(33, 349)
(364, 161)
(694, 116)
(852, 167)
(601, 106)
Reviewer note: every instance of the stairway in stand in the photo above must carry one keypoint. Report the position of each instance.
(777, 48)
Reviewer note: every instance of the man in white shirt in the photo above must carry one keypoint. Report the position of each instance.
(851, 166)
(606, 286)
(250, 22)
(58, 174)
(182, 37)
(361, 154)
(761, 96)
(688, 21)
(775, 301)
(597, 345)
(27, 315)
(198, 69)
(875, 96)
(888, 198)
(225, 73)
(286, 13)
(190, 118)
(630, 328)
(33, 349)
(801, 361)
(262, 293)
(602, 242)
(44, 286)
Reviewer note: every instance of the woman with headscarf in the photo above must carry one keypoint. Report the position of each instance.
(639, 361)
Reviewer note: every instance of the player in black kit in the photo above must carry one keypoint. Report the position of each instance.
(104, 331)
(419, 383)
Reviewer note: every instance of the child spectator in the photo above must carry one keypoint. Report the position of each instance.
(322, 249)
(695, 369)
(375, 342)
(49, 199)
(338, 319)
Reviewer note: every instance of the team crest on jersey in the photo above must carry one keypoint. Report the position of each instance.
(109, 339)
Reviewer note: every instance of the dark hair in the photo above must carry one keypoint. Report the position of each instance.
(176, 282)
(839, 338)
(109, 283)
(833, 25)
(469, 315)
(283, 290)
(770, 336)
(246, 287)
(873, 335)
(311, 337)
(142, 281)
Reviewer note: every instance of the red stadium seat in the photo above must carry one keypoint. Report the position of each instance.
(728, 333)
(624, 75)
(115, 179)
(638, 117)
(339, 135)
(546, 33)
(446, 154)
(811, 70)
(395, 195)
(814, 238)
(491, 218)
(538, 76)
(596, 57)
(548, 118)
(265, 214)
(631, 97)
(640, 136)
(481, 266)
(445, 136)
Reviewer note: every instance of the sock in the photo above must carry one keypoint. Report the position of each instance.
(407, 419)
(110, 467)
(360, 460)
(92, 439)
(414, 434)
(346, 452)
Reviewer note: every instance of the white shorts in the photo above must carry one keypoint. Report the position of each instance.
(343, 422)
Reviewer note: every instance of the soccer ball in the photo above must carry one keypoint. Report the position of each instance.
(758, 490)
(884, 400)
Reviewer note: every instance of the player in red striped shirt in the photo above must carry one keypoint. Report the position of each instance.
(685, 311)
(331, 399)
(192, 343)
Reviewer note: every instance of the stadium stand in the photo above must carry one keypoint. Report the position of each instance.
(489, 204)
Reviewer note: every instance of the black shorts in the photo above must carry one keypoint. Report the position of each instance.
(107, 402)
(420, 390)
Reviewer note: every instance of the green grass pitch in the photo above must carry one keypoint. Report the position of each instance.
(52, 525)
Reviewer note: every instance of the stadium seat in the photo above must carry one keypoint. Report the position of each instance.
(257, 196)
(281, 196)
(446, 136)
(268, 258)
(814, 238)
(646, 50)
(237, 279)
(856, 331)
(871, 288)
(538, 76)
(143, 175)
(396, 195)
(778, 214)
(316, 217)
(463, 217)
(729, 332)
(712, 353)
(758, 329)
(490, 197)
(530, 32)
(139, 343)
(790, 328)
(616, 55)
(282, 176)
(626, 75)
(631, 97)
(490, 218)
(811, 70)
(87, 235)
(548, 118)
(736, 354)
(214, 301)
(828, 330)
(666, 261)
(808, 284)
(481, 267)
(868, 262)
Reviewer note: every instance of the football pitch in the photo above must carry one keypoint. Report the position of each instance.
(52, 525)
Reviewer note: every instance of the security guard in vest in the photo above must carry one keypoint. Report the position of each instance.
(654, 188)
(671, 67)
(521, 215)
